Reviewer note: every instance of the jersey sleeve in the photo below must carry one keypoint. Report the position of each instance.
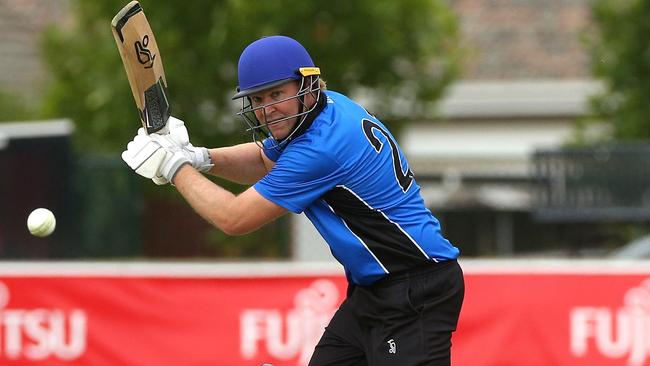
(270, 149)
(300, 176)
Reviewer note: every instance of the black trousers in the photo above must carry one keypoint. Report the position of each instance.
(403, 320)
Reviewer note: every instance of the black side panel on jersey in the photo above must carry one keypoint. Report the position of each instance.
(392, 247)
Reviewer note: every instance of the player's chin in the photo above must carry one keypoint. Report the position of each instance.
(279, 135)
(278, 129)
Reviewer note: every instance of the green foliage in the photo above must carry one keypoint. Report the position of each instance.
(398, 48)
(14, 108)
(620, 50)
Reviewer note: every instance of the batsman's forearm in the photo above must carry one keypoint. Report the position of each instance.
(215, 204)
(240, 163)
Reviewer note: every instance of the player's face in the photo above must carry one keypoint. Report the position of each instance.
(277, 108)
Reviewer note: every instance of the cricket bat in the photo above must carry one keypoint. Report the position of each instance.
(143, 64)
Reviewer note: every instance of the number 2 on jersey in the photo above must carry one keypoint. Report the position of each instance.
(403, 178)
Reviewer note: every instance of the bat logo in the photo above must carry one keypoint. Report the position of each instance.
(144, 54)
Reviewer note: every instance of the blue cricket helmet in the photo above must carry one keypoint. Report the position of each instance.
(271, 61)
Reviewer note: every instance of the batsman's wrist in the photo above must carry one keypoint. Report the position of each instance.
(178, 169)
(173, 164)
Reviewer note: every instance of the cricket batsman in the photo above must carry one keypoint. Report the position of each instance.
(317, 152)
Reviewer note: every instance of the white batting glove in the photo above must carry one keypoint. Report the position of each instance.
(149, 155)
(143, 155)
(179, 141)
(175, 157)
(157, 157)
(199, 156)
(177, 131)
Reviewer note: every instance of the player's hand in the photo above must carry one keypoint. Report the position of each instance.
(198, 156)
(157, 157)
(177, 131)
(179, 141)
(175, 157)
(143, 155)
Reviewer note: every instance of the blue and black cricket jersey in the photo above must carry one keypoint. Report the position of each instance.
(351, 179)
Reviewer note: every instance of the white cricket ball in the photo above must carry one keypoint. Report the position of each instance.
(41, 222)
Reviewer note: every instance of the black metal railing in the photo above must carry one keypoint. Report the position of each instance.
(605, 183)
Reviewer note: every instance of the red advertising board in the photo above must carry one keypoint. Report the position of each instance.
(515, 313)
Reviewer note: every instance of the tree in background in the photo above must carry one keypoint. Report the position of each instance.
(14, 108)
(399, 49)
(619, 44)
(403, 53)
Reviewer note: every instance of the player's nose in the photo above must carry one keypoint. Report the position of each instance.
(268, 109)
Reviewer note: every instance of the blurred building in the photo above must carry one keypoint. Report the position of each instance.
(524, 39)
(21, 24)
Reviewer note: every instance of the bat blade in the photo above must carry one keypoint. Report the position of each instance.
(144, 69)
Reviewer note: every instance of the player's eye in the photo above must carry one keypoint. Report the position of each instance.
(276, 94)
(256, 101)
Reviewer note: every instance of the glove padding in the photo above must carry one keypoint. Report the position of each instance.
(158, 157)
(175, 158)
(199, 157)
(143, 155)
